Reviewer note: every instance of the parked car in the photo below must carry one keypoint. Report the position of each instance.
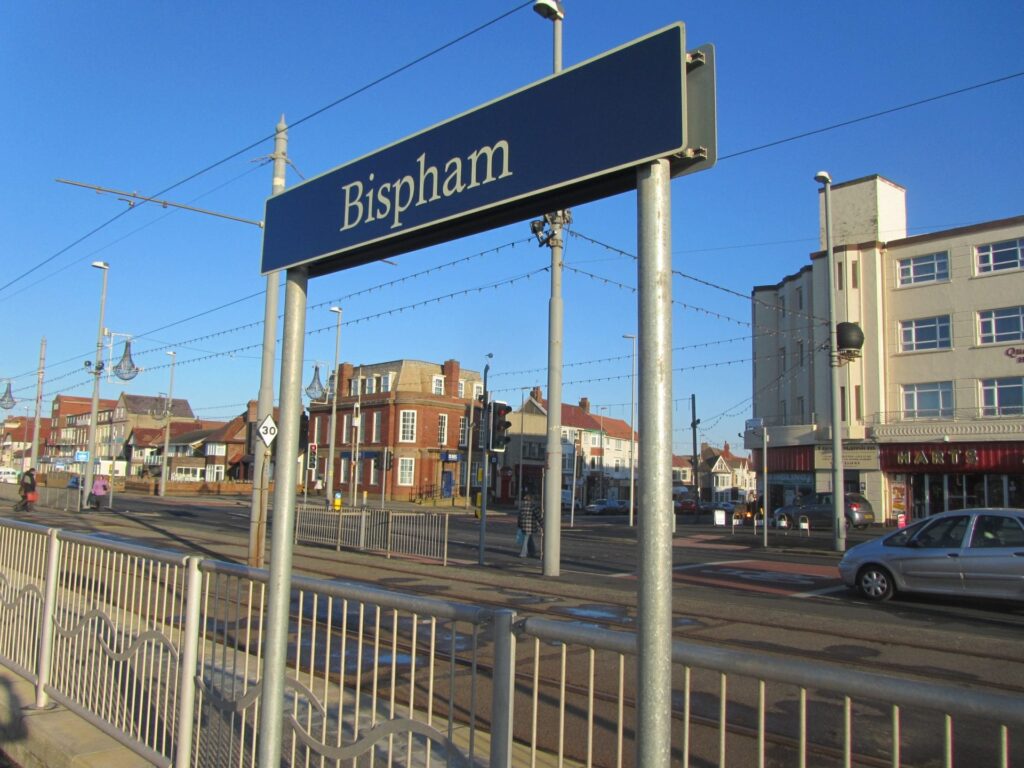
(605, 507)
(684, 504)
(968, 552)
(818, 511)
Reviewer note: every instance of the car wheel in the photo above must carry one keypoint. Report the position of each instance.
(875, 583)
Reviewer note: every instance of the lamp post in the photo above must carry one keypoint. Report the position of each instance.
(632, 416)
(168, 411)
(552, 483)
(334, 409)
(97, 371)
(522, 424)
(604, 483)
(485, 445)
(838, 495)
(357, 421)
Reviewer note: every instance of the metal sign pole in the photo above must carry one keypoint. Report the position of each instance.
(654, 643)
(279, 584)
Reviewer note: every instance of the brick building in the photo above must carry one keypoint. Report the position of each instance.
(417, 412)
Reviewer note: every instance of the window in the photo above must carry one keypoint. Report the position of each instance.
(799, 298)
(406, 467)
(593, 440)
(933, 400)
(799, 354)
(407, 429)
(996, 325)
(931, 268)
(1003, 397)
(800, 409)
(462, 388)
(463, 429)
(342, 470)
(997, 531)
(858, 403)
(478, 390)
(370, 384)
(995, 257)
(442, 429)
(374, 472)
(353, 386)
(855, 274)
(346, 427)
(782, 306)
(376, 427)
(437, 386)
(385, 382)
(839, 275)
(216, 449)
(947, 533)
(842, 403)
(925, 333)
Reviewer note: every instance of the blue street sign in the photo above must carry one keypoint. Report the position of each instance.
(570, 138)
(81, 455)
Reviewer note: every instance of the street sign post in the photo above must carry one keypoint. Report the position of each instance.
(267, 430)
(495, 165)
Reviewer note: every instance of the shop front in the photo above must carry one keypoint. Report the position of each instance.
(927, 478)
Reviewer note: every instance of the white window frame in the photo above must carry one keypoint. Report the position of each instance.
(996, 257)
(386, 382)
(927, 268)
(1011, 319)
(376, 426)
(942, 407)
(374, 473)
(910, 330)
(462, 388)
(437, 385)
(478, 389)
(407, 427)
(463, 430)
(343, 470)
(369, 388)
(442, 429)
(406, 471)
(990, 396)
(346, 427)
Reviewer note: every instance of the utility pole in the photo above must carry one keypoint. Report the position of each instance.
(39, 403)
(168, 412)
(552, 489)
(265, 405)
(694, 423)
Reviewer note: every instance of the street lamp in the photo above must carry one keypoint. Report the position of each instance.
(97, 371)
(7, 401)
(604, 492)
(632, 415)
(334, 407)
(168, 411)
(838, 495)
(485, 444)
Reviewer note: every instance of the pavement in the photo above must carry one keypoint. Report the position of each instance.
(56, 738)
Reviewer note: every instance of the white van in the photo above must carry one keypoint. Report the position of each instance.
(8, 475)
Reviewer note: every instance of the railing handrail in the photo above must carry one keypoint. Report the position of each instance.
(905, 691)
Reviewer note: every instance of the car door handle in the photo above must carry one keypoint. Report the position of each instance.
(952, 554)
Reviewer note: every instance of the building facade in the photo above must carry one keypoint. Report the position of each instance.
(932, 412)
(414, 415)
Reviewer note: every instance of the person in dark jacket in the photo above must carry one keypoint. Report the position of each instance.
(530, 523)
(27, 491)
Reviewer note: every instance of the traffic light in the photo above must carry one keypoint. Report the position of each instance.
(389, 459)
(500, 425)
(311, 456)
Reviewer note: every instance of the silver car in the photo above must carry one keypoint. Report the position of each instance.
(968, 552)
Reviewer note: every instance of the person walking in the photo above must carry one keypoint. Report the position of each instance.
(530, 523)
(27, 491)
(100, 486)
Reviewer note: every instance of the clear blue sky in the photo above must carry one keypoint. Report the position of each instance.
(140, 96)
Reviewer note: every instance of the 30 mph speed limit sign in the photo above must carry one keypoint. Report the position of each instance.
(267, 430)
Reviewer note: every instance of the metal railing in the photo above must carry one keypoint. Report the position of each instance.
(389, 532)
(164, 652)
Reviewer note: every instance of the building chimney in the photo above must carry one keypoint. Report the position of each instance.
(451, 370)
(536, 394)
(585, 404)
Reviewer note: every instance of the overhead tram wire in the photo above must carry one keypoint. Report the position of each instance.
(249, 147)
